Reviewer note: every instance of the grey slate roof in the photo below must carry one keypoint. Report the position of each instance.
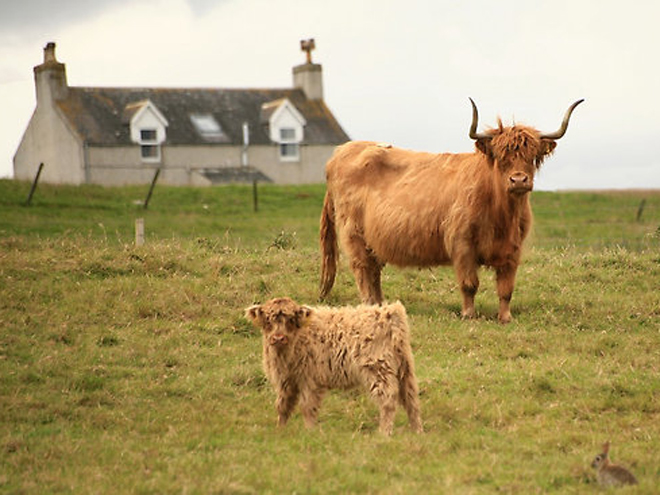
(101, 116)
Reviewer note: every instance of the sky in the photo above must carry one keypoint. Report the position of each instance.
(393, 71)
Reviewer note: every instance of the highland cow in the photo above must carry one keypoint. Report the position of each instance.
(308, 350)
(407, 208)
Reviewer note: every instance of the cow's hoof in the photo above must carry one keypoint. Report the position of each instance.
(469, 314)
(505, 318)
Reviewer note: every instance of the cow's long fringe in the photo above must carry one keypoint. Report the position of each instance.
(329, 248)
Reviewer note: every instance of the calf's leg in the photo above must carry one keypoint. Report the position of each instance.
(383, 389)
(387, 413)
(287, 398)
(310, 403)
(409, 397)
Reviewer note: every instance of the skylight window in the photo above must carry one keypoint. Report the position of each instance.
(207, 127)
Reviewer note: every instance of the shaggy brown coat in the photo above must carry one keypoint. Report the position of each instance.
(420, 209)
(308, 350)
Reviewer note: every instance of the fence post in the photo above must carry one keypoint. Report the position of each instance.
(255, 196)
(151, 188)
(640, 209)
(139, 231)
(34, 185)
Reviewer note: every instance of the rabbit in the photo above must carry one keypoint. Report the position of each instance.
(609, 474)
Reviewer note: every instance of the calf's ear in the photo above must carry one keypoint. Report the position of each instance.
(303, 313)
(254, 313)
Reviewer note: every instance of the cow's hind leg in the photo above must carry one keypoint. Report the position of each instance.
(366, 268)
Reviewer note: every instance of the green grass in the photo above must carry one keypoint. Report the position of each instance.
(130, 369)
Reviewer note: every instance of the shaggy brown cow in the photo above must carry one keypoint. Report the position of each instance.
(420, 209)
(308, 350)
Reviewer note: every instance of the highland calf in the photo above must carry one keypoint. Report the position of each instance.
(308, 350)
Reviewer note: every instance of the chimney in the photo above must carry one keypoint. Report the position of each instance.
(50, 78)
(309, 76)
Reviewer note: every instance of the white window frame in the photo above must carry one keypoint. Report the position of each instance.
(289, 145)
(149, 143)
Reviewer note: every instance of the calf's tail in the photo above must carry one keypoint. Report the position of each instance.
(329, 248)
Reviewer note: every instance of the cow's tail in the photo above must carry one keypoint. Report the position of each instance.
(329, 248)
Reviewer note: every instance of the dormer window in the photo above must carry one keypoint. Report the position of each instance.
(286, 127)
(148, 129)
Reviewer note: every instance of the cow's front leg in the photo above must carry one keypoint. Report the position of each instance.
(468, 281)
(505, 279)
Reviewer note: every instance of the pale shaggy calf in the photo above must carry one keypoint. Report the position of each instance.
(308, 350)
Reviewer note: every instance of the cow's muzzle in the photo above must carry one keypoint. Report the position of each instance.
(278, 340)
(520, 183)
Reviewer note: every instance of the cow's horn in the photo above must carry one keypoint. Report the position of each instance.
(475, 121)
(564, 124)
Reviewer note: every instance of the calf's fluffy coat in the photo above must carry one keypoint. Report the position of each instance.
(308, 350)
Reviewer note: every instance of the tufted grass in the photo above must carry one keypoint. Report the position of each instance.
(131, 369)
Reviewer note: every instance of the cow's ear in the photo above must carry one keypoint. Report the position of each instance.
(483, 145)
(547, 147)
(254, 313)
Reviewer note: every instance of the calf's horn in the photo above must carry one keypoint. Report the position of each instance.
(564, 125)
(475, 121)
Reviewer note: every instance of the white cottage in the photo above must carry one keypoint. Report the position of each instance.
(116, 136)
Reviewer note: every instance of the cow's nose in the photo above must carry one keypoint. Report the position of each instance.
(518, 179)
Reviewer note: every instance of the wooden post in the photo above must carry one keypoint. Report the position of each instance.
(255, 196)
(34, 185)
(151, 188)
(139, 231)
(640, 209)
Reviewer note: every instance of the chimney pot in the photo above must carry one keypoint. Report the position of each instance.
(309, 76)
(49, 53)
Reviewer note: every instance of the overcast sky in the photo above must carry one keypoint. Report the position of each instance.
(393, 71)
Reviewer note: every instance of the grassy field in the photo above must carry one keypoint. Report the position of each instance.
(129, 369)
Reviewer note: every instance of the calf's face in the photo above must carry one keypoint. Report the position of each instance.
(280, 320)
